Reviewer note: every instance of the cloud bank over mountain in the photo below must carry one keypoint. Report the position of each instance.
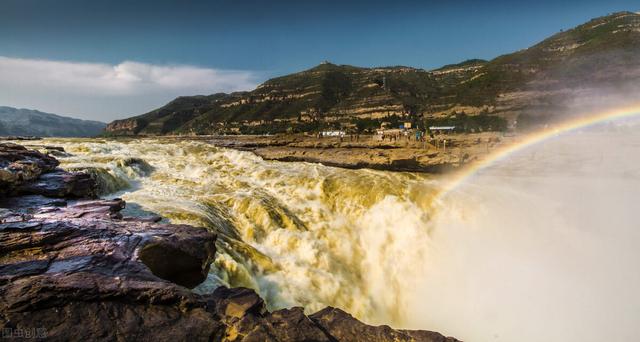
(104, 91)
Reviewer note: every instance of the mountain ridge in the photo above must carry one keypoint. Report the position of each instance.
(527, 84)
(31, 122)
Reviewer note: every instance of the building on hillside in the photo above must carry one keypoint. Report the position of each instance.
(442, 129)
(405, 125)
(332, 133)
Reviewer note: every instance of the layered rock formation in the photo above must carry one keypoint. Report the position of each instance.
(357, 152)
(19, 165)
(74, 268)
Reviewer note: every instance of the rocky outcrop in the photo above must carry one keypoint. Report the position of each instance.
(64, 263)
(19, 165)
(247, 320)
(343, 327)
(78, 270)
(60, 184)
(24, 171)
(123, 127)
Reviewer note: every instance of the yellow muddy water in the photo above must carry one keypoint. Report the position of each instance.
(300, 234)
(539, 245)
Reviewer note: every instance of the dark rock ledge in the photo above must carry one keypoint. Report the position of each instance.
(72, 268)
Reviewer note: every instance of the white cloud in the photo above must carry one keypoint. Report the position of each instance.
(104, 91)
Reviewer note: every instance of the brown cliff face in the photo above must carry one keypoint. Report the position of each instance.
(78, 270)
(123, 127)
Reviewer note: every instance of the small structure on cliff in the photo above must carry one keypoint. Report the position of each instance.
(442, 129)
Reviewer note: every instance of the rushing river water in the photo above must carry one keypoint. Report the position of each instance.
(299, 233)
(540, 246)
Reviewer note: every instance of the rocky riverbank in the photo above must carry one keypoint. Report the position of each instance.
(72, 267)
(439, 154)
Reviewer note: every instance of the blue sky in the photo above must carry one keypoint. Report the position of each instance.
(249, 41)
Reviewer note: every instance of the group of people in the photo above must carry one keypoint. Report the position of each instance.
(419, 135)
(393, 136)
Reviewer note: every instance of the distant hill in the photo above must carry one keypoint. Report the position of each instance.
(533, 85)
(27, 122)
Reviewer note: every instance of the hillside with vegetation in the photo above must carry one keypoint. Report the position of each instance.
(28, 122)
(530, 86)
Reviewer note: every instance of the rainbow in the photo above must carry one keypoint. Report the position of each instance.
(537, 137)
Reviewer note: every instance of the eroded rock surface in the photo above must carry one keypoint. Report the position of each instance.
(62, 266)
(19, 165)
(24, 171)
(77, 270)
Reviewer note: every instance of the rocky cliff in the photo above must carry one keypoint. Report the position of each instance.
(540, 83)
(73, 268)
